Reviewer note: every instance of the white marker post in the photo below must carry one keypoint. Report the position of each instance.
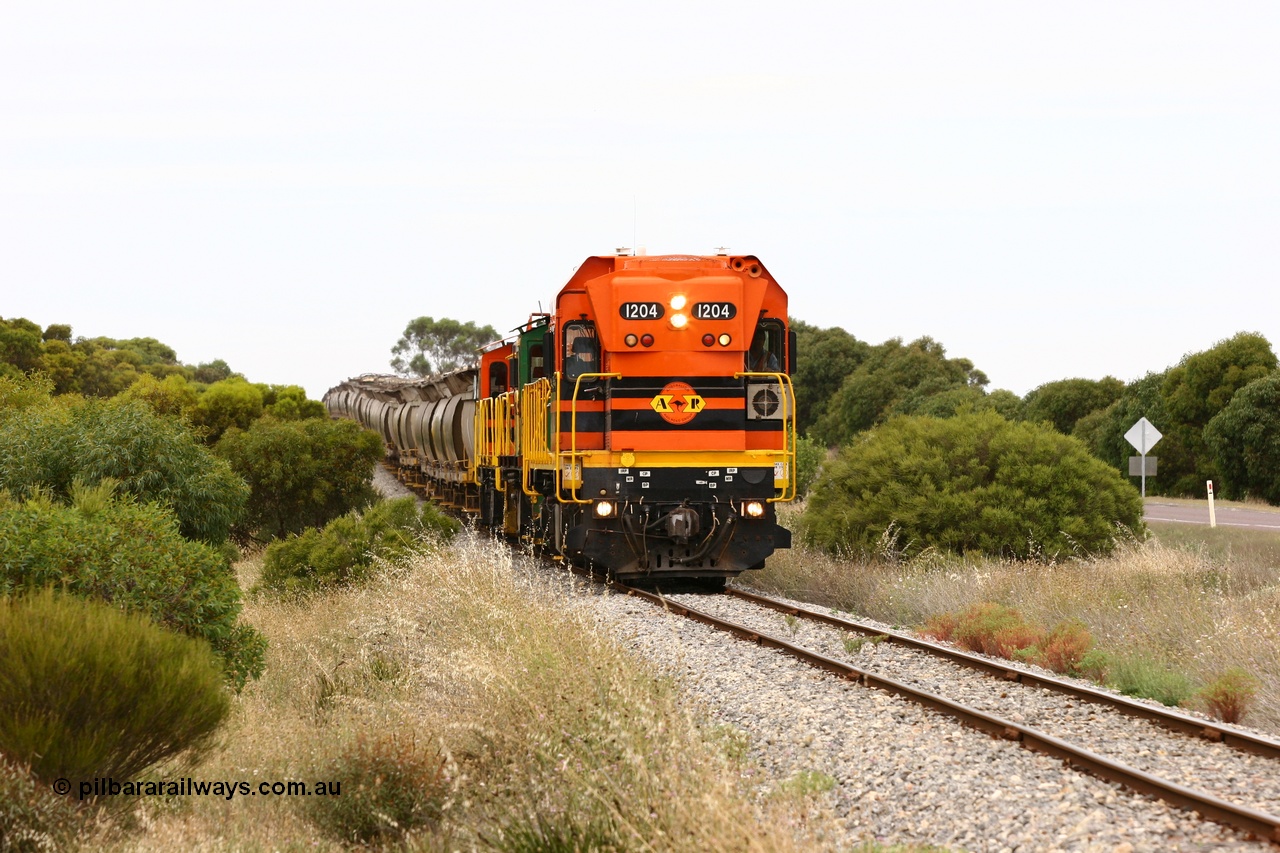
(1213, 519)
(1143, 436)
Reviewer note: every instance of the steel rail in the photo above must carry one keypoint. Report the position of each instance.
(1260, 824)
(1168, 718)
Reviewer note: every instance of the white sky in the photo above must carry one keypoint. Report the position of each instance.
(1050, 190)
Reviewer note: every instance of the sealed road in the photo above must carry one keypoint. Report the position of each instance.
(1198, 513)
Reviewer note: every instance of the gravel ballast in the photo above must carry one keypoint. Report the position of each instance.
(903, 774)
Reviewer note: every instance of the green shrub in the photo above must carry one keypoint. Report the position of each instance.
(400, 524)
(344, 551)
(972, 483)
(1137, 675)
(810, 455)
(391, 786)
(32, 817)
(154, 458)
(1096, 665)
(132, 556)
(87, 691)
(302, 473)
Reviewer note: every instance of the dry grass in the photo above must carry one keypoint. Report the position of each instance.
(1194, 600)
(551, 733)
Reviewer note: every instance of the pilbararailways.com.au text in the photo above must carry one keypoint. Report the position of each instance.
(189, 787)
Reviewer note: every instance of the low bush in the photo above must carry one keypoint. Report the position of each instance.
(1230, 695)
(1137, 675)
(1001, 631)
(132, 556)
(32, 817)
(941, 626)
(989, 628)
(87, 691)
(345, 550)
(1065, 649)
(975, 483)
(391, 786)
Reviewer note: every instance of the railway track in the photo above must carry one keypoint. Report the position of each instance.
(1252, 815)
(1167, 717)
(1258, 821)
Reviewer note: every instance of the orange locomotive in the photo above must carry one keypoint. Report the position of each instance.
(646, 427)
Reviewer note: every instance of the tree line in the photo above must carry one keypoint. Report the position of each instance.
(1216, 408)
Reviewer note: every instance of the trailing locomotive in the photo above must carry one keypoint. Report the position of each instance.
(645, 427)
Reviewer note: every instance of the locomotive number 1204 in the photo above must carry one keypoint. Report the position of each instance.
(641, 310)
(715, 310)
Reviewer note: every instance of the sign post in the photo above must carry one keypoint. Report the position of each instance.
(1213, 519)
(1143, 436)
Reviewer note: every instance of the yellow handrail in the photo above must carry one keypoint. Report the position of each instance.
(789, 427)
(573, 434)
(479, 437)
(535, 399)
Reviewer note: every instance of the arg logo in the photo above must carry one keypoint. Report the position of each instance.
(677, 403)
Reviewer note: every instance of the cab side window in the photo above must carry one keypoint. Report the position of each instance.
(765, 354)
(497, 378)
(581, 350)
(537, 370)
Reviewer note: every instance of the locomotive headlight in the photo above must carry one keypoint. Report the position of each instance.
(753, 509)
(631, 340)
(604, 509)
(725, 340)
(679, 321)
(678, 301)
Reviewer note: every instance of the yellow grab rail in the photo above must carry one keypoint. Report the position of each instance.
(536, 402)
(789, 427)
(480, 430)
(573, 453)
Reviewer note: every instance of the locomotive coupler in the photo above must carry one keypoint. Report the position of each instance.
(682, 524)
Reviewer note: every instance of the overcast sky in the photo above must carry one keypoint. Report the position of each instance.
(1049, 189)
